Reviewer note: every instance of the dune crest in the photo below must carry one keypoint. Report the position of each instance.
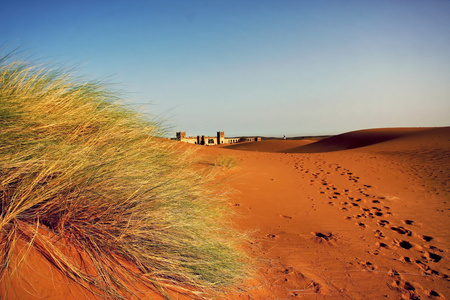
(271, 145)
(356, 139)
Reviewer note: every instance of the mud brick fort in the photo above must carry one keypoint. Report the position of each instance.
(213, 140)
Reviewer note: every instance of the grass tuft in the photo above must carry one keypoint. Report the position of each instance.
(225, 161)
(78, 167)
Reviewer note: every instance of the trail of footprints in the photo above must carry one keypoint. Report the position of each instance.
(365, 207)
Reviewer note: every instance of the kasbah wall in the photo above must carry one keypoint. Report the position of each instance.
(213, 140)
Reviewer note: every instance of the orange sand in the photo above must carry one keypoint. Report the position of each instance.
(363, 215)
(270, 145)
(367, 223)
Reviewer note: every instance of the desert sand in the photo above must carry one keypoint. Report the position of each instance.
(362, 215)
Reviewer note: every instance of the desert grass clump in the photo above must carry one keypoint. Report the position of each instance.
(225, 161)
(78, 168)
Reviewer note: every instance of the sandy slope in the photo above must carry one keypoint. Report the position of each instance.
(366, 223)
(271, 145)
(366, 216)
(355, 139)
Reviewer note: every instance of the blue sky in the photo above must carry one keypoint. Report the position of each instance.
(253, 67)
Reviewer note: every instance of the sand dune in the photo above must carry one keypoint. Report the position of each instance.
(370, 222)
(345, 141)
(356, 139)
(427, 138)
(270, 145)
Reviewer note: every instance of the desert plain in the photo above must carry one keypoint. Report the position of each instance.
(360, 215)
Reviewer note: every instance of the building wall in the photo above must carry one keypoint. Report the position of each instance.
(213, 140)
(181, 135)
(220, 137)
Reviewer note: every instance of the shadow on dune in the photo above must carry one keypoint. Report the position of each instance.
(270, 145)
(355, 139)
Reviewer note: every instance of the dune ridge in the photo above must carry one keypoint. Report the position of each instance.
(270, 145)
(345, 141)
(355, 139)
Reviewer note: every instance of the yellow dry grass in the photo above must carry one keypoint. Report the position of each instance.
(76, 164)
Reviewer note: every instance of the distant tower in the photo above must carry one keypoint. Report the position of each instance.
(220, 137)
(181, 135)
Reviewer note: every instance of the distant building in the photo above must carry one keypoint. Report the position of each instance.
(213, 140)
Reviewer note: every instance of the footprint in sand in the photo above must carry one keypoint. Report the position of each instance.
(367, 265)
(405, 259)
(381, 245)
(433, 293)
(379, 233)
(435, 249)
(408, 222)
(403, 244)
(401, 230)
(377, 211)
(361, 225)
(429, 256)
(383, 223)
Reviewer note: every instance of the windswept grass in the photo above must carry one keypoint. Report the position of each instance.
(225, 161)
(77, 167)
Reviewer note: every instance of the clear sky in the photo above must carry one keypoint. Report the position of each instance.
(261, 67)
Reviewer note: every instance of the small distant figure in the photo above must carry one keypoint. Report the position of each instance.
(284, 137)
